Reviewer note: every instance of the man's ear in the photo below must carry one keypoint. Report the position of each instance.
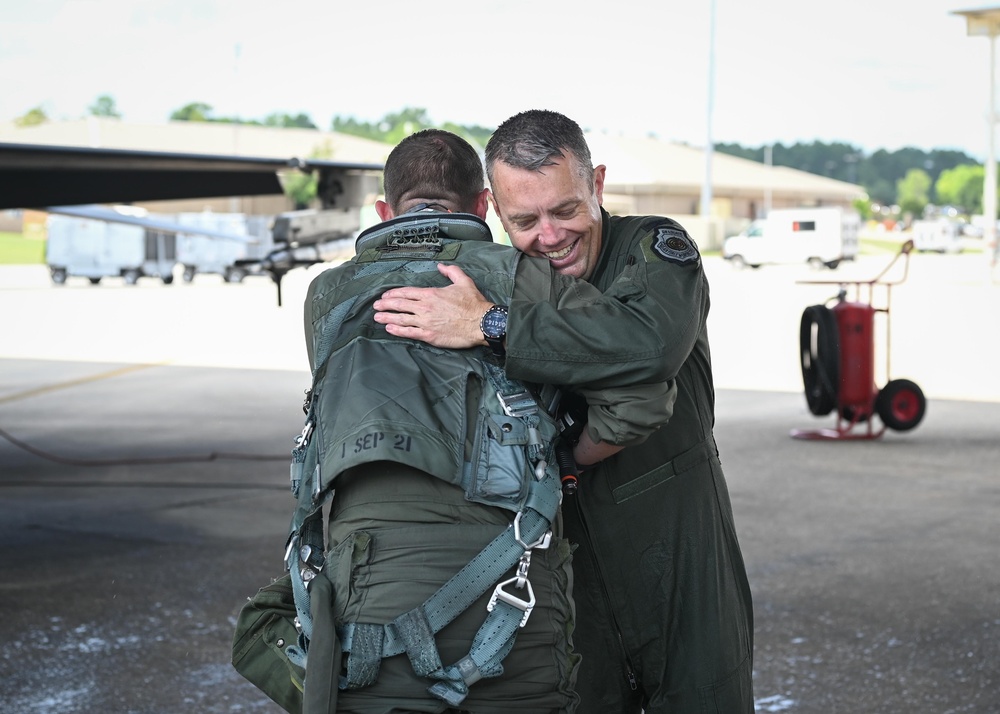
(599, 183)
(493, 202)
(384, 210)
(496, 210)
(483, 203)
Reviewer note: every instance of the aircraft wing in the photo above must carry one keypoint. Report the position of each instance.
(102, 213)
(36, 176)
(43, 176)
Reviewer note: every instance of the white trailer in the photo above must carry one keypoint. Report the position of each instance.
(820, 237)
(200, 253)
(97, 249)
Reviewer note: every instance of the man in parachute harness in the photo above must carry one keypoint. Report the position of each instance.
(444, 537)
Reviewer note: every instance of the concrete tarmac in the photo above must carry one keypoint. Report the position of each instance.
(143, 493)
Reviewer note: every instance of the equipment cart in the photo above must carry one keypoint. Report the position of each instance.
(837, 350)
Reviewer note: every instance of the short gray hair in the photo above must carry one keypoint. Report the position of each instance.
(534, 138)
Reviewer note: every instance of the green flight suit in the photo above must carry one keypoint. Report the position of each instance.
(664, 611)
(399, 425)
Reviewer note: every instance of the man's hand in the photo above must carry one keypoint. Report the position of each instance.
(444, 317)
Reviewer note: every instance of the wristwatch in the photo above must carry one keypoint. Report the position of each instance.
(494, 327)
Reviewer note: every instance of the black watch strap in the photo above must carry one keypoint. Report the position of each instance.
(494, 328)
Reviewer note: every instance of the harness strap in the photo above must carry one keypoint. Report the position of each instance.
(413, 632)
(491, 644)
(320, 693)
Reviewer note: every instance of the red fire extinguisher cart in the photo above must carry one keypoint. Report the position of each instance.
(837, 350)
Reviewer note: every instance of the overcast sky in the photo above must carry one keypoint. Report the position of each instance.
(872, 73)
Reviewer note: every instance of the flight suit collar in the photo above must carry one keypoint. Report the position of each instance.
(430, 226)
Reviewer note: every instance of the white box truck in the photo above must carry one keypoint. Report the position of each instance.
(97, 249)
(821, 237)
(941, 235)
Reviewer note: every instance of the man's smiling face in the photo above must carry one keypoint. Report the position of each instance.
(552, 213)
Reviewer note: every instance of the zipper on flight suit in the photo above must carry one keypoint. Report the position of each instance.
(630, 676)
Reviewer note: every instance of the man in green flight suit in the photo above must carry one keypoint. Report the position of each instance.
(427, 469)
(664, 610)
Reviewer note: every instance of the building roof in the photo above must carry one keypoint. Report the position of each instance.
(200, 138)
(647, 165)
(635, 164)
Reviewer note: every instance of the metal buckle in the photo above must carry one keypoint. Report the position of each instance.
(543, 541)
(522, 569)
(303, 438)
(517, 411)
(524, 605)
(308, 575)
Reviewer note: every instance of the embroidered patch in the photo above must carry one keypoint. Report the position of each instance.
(674, 246)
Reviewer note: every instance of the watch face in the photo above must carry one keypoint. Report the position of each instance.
(495, 322)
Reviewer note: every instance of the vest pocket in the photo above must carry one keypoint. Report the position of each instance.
(403, 404)
(498, 470)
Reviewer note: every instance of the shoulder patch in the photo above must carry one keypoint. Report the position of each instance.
(674, 246)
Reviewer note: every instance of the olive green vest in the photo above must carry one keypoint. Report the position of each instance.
(376, 397)
(451, 413)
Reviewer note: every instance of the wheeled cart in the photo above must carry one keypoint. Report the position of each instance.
(837, 350)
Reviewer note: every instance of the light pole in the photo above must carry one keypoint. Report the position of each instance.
(768, 190)
(985, 22)
(706, 186)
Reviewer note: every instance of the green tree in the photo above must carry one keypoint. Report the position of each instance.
(355, 127)
(394, 127)
(962, 186)
(300, 186)
(401, 124)
(299, 121)
(104, 106)
(879, 173)
(195, 111)
(32, 117)
(475, 134)
(913, 192)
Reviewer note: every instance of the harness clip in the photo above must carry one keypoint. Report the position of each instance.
(303, 438)
(522, 569)
(503, 596)
(518, 405)
(543, 541)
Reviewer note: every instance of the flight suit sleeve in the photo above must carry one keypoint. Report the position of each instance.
(640, 330)
(623, 415)
(626, 416)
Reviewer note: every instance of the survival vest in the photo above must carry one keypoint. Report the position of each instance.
(451, 413)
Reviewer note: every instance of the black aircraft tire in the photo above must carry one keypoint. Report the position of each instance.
(819, 352)
(901, 404)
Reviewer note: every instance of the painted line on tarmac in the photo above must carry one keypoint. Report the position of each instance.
(77, 382)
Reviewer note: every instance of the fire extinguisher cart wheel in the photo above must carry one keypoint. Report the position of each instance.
(900, 404)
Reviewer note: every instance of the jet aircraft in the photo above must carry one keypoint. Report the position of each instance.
(58, 178)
